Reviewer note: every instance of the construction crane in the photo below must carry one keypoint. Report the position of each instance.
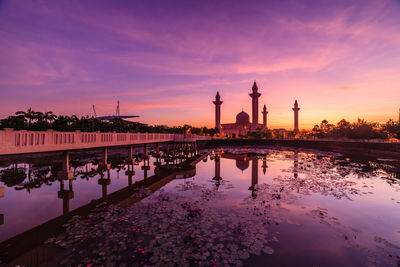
(111, 117)
(94, 111)
(117, 110)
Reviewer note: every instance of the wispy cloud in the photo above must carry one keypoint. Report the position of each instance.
(161, 58)
(343, 88)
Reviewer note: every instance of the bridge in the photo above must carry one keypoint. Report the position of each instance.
(20, 142)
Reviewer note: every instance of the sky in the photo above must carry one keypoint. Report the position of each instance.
(165, 60)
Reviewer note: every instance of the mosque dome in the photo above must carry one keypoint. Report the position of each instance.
(242, 117)
(242, 164)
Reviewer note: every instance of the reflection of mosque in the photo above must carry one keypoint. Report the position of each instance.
(242, 162)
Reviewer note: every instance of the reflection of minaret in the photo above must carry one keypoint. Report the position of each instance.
(295, 164)
(296, 116)
(264, 166)
(66, 195)
(1, 196)
(217, 176)
(265, 112)
(217, 103)
(254, 177)
(254, 96)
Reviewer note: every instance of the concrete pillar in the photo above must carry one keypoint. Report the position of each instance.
(217, 104)
(146, 152)
(65, 173)
(2, 189)
(254, 97)
(158, 148)
(145, 168)
(105, 155)
(65, 195)
(130, 173)
(65, 165)
(264, 166)
(296, 117)
(104, 183)
(105, 165)
(131, 153)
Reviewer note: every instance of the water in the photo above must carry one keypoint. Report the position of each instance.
(244, 206)
(35, 197)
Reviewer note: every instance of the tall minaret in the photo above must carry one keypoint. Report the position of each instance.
(265, 112)
(254, 96)
(217, 103)
(296, 116)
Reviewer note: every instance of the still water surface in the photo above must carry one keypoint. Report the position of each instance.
(244, 206)
(32, 191)
(253, 207)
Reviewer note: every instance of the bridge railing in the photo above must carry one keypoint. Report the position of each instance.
(17, 142)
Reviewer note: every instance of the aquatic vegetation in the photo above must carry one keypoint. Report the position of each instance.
(198, 222)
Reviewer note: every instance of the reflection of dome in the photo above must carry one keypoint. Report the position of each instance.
(242, 164)
(242, 117)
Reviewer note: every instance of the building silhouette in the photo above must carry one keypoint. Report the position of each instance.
(296, 116)
(242, 125)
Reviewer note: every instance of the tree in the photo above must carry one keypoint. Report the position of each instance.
(14, 122)
(392, 128)
(366, 130)
(49, 116)
(342, 129)
(29, 115)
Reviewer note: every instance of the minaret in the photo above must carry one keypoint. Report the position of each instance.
(296, 116)
(265, 112)
(217, 104)
(254, 96)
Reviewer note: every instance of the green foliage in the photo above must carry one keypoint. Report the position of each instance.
(13, 176)
(360, 129)
(393, 129)
(39, 121)
(15, 122)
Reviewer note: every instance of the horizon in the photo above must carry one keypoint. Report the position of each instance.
(166, 61)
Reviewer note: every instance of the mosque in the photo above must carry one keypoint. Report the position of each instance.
(243, 125)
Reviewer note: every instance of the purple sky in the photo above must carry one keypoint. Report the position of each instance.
(165, 60)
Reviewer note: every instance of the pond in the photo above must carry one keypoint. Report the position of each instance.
(31, 193)
(251, 207)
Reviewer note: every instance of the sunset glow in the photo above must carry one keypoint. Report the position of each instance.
(165, 60)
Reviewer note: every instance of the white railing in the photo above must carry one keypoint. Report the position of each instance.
(18, 142)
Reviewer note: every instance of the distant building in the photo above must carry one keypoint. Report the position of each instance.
(296, 116)
(242, 125)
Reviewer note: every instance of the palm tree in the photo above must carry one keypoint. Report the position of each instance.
(29, 115)
(49, 116)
